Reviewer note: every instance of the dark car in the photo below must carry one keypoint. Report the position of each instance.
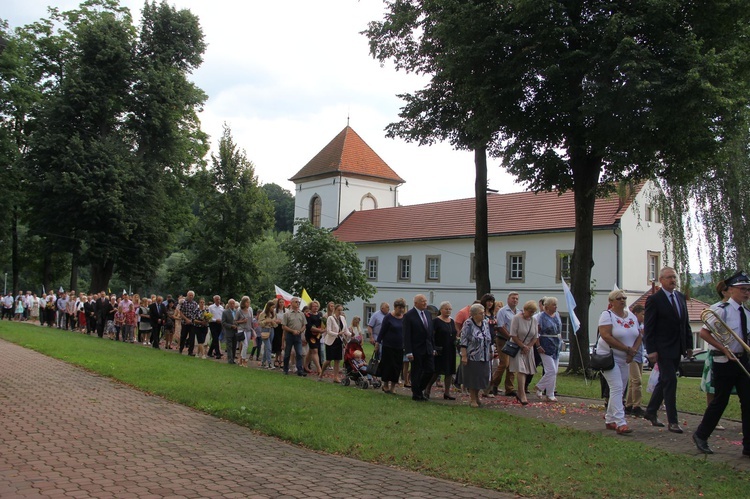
(693, 367)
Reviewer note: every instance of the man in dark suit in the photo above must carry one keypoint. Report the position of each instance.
(103, 308)
(156, 314)
(419, 345)
(89, 310)
(668, 337)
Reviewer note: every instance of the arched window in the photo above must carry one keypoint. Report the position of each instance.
(368, 202)
(315, 208)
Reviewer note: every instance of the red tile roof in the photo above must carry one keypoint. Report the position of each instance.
(347, 153)
(695, 307)
(516, 213)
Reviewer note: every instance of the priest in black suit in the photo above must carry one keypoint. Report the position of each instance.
(156, 314)
(419, 345)
(668, 337)
(103, 307)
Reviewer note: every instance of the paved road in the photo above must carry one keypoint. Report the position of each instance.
(65, 432)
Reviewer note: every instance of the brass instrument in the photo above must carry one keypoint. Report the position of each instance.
(723, 333)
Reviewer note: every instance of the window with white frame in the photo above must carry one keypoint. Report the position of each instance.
(432, 268)
(564, 261)
(515, 263)
(369, 309)
(653, 264)
(567, 329)
(404, 268)
(371, 267)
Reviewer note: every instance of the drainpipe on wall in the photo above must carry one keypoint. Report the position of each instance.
(618, 235)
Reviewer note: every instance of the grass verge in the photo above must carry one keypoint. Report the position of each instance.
(489, 449)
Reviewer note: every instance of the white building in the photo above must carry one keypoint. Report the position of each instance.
(345, 176)
(428, 248)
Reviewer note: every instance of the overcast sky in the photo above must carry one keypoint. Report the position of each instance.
(286, 74)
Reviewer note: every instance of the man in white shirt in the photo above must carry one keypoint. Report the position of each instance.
(729, 359)
(376, 321)
(215, 309)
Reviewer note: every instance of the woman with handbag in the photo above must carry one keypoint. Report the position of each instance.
(244, 321)
(313, 332)
(336, 336)
(268, 322)
(550, 339)
(476, 353)
(618, 336)
(524, 335)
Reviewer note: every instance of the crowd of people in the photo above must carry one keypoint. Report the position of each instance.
(485, 343)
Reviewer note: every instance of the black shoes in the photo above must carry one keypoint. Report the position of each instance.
(652, 418)
(674, 428)
(637, 412)
(448, 397)
(702, 445)
(418, 398)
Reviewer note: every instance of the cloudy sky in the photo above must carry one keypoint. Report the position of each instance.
(286, 74)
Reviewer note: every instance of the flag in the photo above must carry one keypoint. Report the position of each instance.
(615, 288)
(61, 290)
(305, 297)
(281, 294)
(571, 307)
(44, 291)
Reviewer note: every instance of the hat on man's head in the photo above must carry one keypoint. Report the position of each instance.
(738, 279)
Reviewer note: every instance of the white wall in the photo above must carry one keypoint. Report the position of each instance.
(351, 196)
(455, 284)
(639, 237)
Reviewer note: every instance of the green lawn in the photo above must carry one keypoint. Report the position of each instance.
(490, 449)
(689, 396)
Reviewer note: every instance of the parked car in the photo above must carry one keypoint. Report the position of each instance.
(564, 356)
(692, 367)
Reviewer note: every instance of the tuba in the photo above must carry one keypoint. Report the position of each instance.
(723, 333)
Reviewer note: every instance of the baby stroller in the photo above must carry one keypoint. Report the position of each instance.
(355, 367)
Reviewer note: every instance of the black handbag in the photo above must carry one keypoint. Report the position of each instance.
(602, 362)
(599, 361)
(511, 348)
(240, 336)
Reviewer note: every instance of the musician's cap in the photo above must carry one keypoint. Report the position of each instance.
(738, 279)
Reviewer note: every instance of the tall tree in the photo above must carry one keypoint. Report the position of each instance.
(586, 93)
(329, 269)
(233, 214)
(283, 203)
(120, 133)
(713, 208)
(20, 91)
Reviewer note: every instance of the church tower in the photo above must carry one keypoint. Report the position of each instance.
(345, 176)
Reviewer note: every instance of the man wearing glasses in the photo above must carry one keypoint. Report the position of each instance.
(727, 373)
(668, 337)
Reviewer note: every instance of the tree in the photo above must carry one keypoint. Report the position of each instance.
(120, 134)
(20, 91)
(233, 214)
(283, 202)
(712, 208)
(583, 94)
(329, 269)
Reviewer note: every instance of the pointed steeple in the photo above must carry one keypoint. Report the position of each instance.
(347, 154)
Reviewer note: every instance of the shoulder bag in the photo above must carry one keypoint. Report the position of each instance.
(511, 348)
(602, 362)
